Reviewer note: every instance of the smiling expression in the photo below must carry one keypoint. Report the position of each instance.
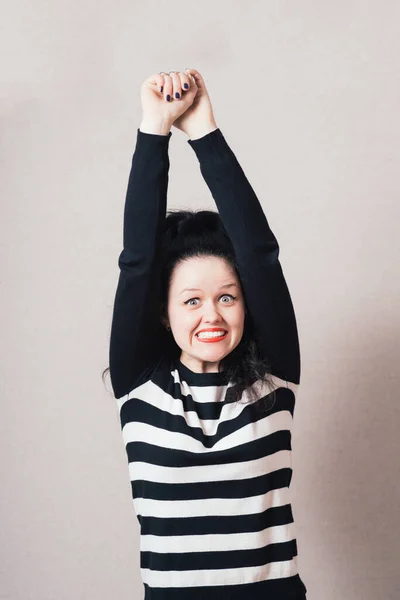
(205, 293)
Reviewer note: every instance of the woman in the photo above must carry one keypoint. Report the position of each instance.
(205, 368)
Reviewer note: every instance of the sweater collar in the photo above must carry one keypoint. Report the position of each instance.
(199, 379)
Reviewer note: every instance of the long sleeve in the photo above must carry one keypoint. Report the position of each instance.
(266, 293)
(136, 332)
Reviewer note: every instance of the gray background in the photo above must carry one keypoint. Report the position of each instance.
(307, 95)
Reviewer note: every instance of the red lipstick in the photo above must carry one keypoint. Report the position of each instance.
(212, 339)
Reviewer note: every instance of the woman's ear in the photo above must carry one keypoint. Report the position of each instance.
(164, 322)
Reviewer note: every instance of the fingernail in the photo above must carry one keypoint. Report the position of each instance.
(161, 88)
(168, 97)
(177, 95)
(186, 86)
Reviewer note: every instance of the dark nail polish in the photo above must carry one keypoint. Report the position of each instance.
(185, 85)
(168, 97)
(161, 88)
(177, 95)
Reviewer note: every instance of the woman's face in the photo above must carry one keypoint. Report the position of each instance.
(217, 302)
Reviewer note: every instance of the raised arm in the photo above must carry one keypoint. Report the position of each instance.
(136, 331)
(256, 248)
(137, 335)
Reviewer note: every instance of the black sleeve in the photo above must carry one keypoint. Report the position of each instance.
(266, 293)
(136, 331)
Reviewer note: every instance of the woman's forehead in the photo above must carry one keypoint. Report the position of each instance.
(199, 272)
(202, 267)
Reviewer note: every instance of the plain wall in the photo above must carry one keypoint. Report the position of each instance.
(307, 95)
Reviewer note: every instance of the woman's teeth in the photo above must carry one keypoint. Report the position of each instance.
(211, 334)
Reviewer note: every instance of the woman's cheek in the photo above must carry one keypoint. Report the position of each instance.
(184, 321)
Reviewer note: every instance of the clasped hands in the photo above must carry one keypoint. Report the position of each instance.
(178, 99)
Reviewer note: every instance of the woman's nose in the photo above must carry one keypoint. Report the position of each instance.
(211, 313)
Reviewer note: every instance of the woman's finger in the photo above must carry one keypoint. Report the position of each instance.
(185, 81)
(197, 78)
(159, 80)
(176, 84)
(156, 79)
(168, 86)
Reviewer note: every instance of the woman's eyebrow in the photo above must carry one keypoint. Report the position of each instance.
(227, 285)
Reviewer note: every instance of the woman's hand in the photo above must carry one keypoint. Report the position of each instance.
(158, 112)
(198, 119)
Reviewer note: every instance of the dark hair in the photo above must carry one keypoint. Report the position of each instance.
(201, 233)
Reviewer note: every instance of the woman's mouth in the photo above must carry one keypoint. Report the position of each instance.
(212, 337)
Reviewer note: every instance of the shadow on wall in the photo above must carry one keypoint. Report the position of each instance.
(355, 511)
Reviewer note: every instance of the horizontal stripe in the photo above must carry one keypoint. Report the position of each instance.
(160, 404)
(214, 489)
(193, 440)
(218, 542)
(280, 515)
(210, 559)
(226, 472)
(225, 577)
(277, 588)
(146, 507)
(149, 390)
(172, 457)
(210, 410)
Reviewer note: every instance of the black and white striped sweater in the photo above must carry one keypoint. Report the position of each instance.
(210, 476)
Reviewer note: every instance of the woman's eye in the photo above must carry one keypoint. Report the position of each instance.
(224, 296)
(187, 301)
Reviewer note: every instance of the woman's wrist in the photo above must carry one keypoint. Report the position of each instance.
(201, 130)
(155, 127)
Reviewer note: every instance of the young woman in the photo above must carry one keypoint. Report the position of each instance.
(205, 368)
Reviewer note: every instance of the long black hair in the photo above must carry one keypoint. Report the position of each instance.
(201, 233)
